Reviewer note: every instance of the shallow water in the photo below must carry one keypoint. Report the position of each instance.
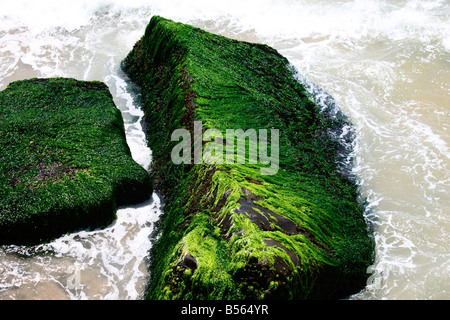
(386, 63)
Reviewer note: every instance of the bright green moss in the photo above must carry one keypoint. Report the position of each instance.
(297, 234)
(64, 162)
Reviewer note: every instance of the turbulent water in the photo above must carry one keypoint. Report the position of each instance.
(386, 63)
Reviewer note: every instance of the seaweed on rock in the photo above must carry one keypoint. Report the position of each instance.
(229, 231)
(64, 163)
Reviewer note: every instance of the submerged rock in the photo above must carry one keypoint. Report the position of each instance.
(278, 221)
(64, 163)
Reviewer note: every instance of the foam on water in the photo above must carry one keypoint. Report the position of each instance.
(108, 263)
(385, 63)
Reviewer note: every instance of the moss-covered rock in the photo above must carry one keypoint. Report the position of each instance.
(233, 231)
(64, 160)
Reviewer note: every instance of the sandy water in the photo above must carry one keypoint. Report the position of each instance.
(386, 64)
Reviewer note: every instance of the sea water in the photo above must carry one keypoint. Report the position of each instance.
(385, 63)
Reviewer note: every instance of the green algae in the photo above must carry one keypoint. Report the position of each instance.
(296, 234)
(64, 162)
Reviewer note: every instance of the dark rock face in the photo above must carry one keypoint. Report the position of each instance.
(232, 230)
(188, 262)
(64, 163)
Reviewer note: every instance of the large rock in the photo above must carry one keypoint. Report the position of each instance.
(64, 161)
(289, 229)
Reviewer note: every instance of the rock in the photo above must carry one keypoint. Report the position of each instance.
(296, 232)
(188, 262)
(65, 164)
